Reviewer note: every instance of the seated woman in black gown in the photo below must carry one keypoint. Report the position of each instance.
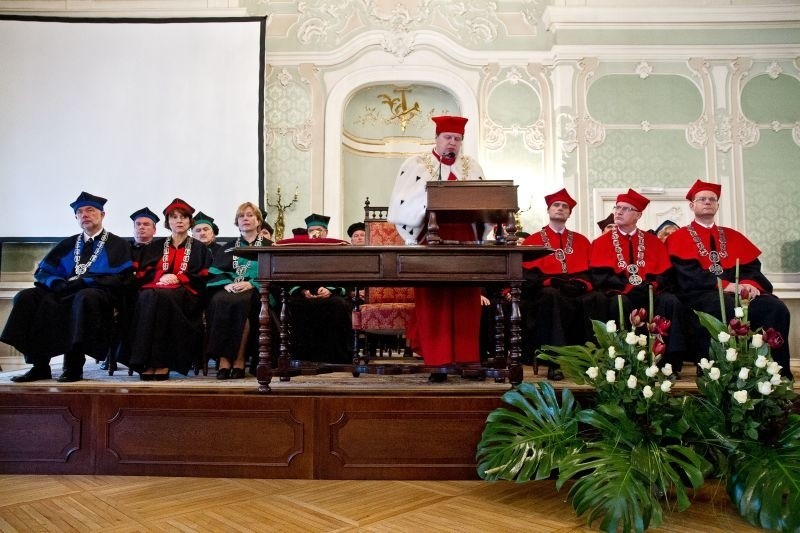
(167, 328)
(234, 301)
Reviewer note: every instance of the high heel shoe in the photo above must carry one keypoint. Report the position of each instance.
(224, 373)
(237, 373)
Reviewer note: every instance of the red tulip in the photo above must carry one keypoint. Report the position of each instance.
(660, 326)
(638, 317)
(773, 338)
(744, 296)
(737, 328)
(659, 347)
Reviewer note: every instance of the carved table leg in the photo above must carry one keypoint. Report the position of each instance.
(283, 348)
(515, 336)
(264, 370)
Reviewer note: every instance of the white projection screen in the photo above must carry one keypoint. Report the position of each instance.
(137, 111)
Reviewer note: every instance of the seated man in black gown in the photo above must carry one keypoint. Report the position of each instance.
(71, 307)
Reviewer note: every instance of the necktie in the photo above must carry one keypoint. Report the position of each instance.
(86, 252)
(631, 260)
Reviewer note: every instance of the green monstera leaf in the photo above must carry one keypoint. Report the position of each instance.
(764, 481)
(623, 477)
(530, 439)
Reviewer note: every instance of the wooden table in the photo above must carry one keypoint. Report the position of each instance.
(451, 265)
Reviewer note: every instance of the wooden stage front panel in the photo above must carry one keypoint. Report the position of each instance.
(172, 432)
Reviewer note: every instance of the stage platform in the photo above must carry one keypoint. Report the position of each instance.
(329, 426)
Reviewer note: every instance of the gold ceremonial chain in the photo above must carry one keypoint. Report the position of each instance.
(560, 254)
(633, 269)
(83, 268)
(241, 269)
(713, 255)
(187, 250)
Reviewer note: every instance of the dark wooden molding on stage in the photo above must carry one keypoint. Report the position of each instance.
(170, 431)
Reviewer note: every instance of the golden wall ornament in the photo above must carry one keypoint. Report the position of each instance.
(398, 107)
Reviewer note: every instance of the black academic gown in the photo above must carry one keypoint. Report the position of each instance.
(61, 314)
(167, 328)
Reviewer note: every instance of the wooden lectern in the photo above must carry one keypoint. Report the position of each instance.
(471, 201)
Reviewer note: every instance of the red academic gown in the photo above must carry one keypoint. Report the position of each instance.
(447, 320)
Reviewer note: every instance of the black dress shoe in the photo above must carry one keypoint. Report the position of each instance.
(34, 374)
(554, 374)
(224, 373)
(437, 377)
(237, 373)
(146, 377)
(161, 377)
(70, 377)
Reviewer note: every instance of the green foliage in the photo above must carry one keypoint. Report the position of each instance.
(529, 440)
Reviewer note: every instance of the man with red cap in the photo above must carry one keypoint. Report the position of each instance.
(704, 253)
(439, 309)
(626, 261)
(557, 287)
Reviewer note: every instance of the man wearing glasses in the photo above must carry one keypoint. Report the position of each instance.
(704, 253)
(626, 261)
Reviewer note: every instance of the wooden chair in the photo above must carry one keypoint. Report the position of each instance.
(386, 311)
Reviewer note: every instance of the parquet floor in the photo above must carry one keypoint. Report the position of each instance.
(134, 504)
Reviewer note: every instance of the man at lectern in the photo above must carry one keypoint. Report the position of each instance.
(447, 325)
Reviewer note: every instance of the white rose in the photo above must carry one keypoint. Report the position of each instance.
(764, 387)
(612, 351)
(775, 379)
(647, 392)
(740, 396)
(758, 340)
(631, 338)
(730, 354)
(642, 340)
(723, 337)
(667, 370)
(773, 368)
(632, 381)
(611, 326)
(738, 312)
(744, 373)
(592, 372)
(705, 364)
(761, 361)
(651, 371)
(611, 376)
(641, 355)
(714, 373)
(666, 385)
(619, 363)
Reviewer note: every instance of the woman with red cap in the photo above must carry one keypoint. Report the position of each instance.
(447, 325)
(167, 329)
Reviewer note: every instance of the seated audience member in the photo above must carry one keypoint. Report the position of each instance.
(357, 233)
(321, 327)
(167, 327)
(234, 301)
(144, 231)
(557, 299)
(665, 229)
(705, 254)
(607, 224)
(625, 262)
(267, 231)
(206, 231)
(70, 309)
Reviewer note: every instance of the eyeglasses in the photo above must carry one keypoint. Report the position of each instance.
(703, 199)
(625, 208)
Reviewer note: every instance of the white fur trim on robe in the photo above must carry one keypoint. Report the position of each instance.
(408, 202)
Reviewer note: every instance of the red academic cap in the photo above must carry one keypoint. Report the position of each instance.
(177, 203)
(700, 185)
(560, 196)
(450, 124)
(632, 197)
